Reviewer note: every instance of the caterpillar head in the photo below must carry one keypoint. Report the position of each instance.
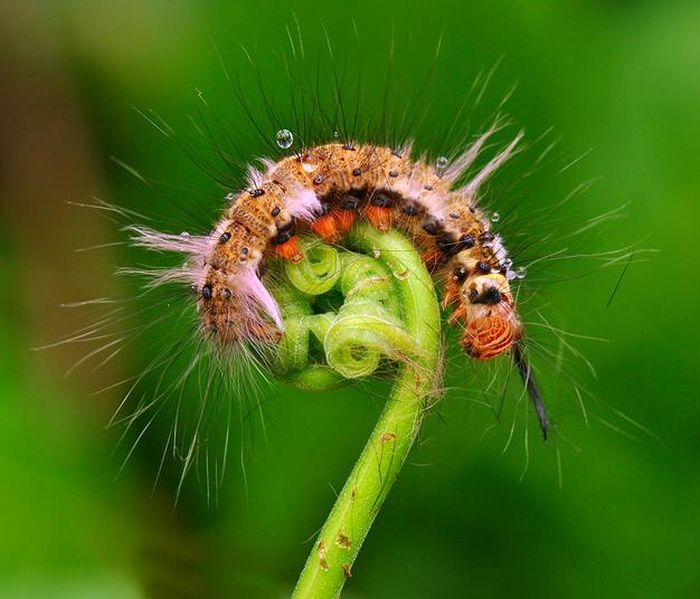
(492, 325)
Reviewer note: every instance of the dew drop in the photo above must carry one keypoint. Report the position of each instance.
(521, 272)
(336, 134)
(440, 165)
(495, 217)
(284, 138)
(185, 235)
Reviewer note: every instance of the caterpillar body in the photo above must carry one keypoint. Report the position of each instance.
(323, 190)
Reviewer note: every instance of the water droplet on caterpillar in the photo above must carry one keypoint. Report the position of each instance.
(185, 235)
(440, 165)
(336, 134)
(520, 272)
(284, 138)
(495, 217)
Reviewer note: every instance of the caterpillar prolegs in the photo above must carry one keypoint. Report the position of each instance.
(323, 190)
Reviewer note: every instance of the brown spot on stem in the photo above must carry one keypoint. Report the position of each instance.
(388, 437)
(323, 562)
(347, 570)
(343, 541)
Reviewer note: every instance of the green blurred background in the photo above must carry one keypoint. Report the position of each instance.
(620, 78)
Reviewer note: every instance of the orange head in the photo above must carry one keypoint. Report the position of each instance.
(492, 325)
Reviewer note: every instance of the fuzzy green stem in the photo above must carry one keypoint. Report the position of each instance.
(380, 462)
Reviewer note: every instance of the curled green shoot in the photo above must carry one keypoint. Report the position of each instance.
(346, 312)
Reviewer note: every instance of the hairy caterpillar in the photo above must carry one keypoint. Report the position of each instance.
(324, 189)
(196, 353)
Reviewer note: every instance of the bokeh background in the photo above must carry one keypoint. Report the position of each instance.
(620, 517)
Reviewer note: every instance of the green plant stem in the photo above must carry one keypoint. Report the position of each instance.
(380, 462)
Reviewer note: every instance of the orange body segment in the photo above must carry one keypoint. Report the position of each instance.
(344, 220)
(380, 218)
(289, 250)
(325, 227)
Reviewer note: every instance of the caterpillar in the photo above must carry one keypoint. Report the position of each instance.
(322, 190)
